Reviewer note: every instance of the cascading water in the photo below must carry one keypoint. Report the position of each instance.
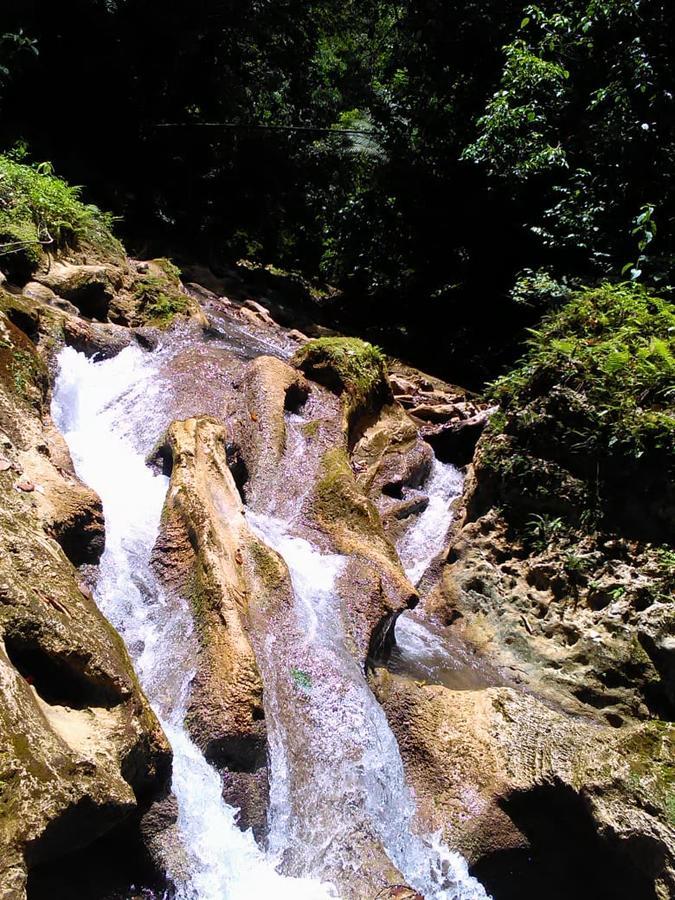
(111, 414)
(354, 783)
(424, 652)
(426, 537)
(338, 784)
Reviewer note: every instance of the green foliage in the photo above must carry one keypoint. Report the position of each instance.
(490, 139)
(666, 558)
(586, 431)
(614, 347)
(542, 530)
(14, 45)
(540, 290)
(515, 138)
(301, 679)
(38, 210)
(579, 108)
(645, 230)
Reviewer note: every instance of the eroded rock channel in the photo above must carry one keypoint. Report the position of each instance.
(299, 705)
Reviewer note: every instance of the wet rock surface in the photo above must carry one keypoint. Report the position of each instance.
(201, 552)
(537, 742)
(80, 748)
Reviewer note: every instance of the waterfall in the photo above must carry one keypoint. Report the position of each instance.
(111, 414)
(425, 538)
(333, 754)
(351, 786)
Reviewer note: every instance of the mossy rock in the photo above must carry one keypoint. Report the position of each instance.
(22, 372)
(349, 367)
(20, 249)
(342, 509)
(650, 751)
(592, 398)
(159, 294)
(21, 312)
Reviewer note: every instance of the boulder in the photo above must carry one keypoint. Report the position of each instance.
(540, 803)
(351, 368)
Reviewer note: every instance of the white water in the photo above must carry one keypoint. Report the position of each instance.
(426, 536)
(111, 414)
(350, 784)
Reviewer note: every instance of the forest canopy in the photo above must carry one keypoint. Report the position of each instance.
(456, 170)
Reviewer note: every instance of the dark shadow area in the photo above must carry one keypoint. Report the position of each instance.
(296, 397)
(566, 860)
(58, 679)
(116, 867)
(238, 468)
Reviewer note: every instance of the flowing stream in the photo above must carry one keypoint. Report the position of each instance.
(355, 784)
(425, 538)
(351, 788)
(352, 783)
(110, 413)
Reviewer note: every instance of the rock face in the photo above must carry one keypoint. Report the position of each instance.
(589, 625)
(391, 462)
(201, 553)
(314, 476)
(556, 782)
(80, 749)
(550, 575)
(529, 794)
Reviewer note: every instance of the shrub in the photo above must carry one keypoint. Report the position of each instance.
(614, 348)
(587, 424)
(39, 210)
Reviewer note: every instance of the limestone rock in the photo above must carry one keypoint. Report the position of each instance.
(200, 553)
(43, 294)
(485, 765)
(392, 461)
(80, 748)
(88, 287)
(351, 368)
(322, 484)
(269, 388)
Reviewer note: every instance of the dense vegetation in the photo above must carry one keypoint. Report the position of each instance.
(452, 167)
(586, 428)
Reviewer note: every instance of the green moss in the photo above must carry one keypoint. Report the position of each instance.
(338, 501)
(22, 372)
(159, 294)
(650, 751)
(311, 429)
(347, 366)
(20, 248)
(170, 269)
(268, 566)
(201, 592)
(39, 210)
